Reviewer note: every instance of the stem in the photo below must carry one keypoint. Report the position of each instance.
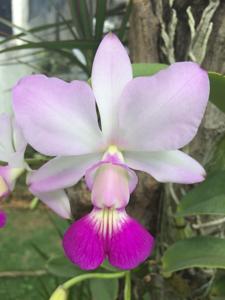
(209, 224)
(127, 289)
(68, 284)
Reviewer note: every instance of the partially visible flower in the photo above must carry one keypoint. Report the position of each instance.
(3, 218)
(143, 122)
(12, 148)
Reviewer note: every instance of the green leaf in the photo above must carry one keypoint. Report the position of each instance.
(125, 20)
(34, 29)
(104, 289)
(60, 266)
(53, 45)
(217, 90)
(218, 287)
(71, 57)
(11, 25)
(217, 161)
(147, 69)
(69, 25)
(147, 296)
(75, 12)
(206, 198)
(100, 18)
(202, 252)
(85, 18)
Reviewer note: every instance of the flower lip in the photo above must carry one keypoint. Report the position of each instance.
(107, 233)
(112, 157)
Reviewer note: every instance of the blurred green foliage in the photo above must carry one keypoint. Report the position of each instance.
(86, 31)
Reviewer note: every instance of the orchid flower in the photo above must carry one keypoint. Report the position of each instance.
(143, 121)
(12, 148)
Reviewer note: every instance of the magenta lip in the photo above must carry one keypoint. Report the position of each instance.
(126, 246)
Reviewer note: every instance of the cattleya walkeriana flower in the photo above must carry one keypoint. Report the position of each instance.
(12, 148)
(143, 122)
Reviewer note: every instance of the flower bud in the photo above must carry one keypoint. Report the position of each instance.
(60, 294)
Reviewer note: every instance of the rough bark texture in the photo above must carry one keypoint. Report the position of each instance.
(144, 46)
(151, 17)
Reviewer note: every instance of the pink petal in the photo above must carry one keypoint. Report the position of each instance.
(61, 172)
(110, 73)
(83, 245)
(56, 200)
(57, 118)
(167, 166)
(3, 218)
(130, 245)
(111, 184)
(163, 111)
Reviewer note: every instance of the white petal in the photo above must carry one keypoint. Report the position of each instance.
(61, 172)
(167, 166)
(163, 111)
(57, 201)
(56, 117)
(111, 72)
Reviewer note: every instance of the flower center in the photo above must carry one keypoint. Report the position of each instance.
(110, 186)
(108, 220)
(111, 182)
(113, 155)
